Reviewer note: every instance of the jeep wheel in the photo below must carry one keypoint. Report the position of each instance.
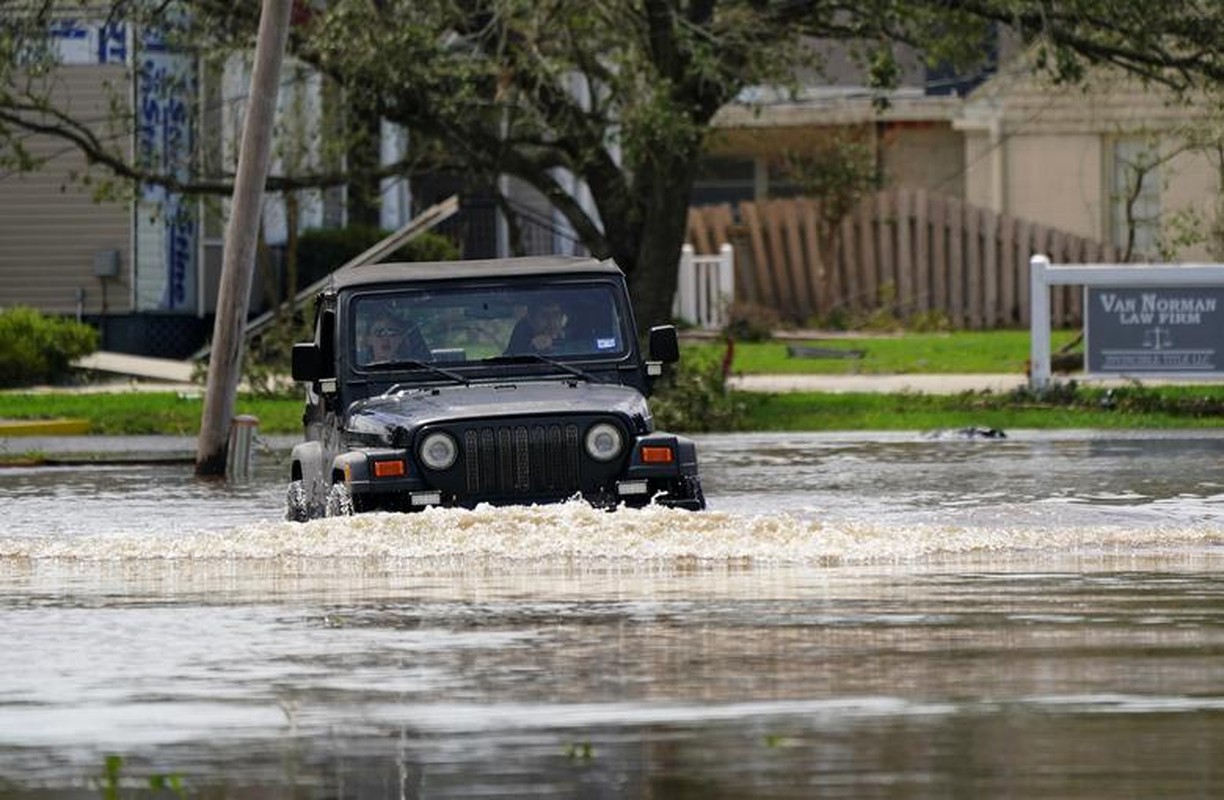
(698, 496)
(297, 506)
(686, 494)
(339, 501)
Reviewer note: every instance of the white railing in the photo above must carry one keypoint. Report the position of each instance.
(705, 287)
(1043, 275)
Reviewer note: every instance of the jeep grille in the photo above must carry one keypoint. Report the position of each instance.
(521, 459)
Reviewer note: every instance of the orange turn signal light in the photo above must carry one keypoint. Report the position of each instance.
(657, 455)
(389, 469)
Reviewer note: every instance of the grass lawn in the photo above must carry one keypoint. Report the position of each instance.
(960, 352)
(1164, 407)
(981, 352)
(131, 413)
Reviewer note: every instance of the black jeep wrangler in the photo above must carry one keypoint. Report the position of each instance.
(501, 381)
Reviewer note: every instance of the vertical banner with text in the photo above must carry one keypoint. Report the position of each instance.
(166, 222)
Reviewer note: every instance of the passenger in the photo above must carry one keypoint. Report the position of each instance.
(541, 329)
(389, 339)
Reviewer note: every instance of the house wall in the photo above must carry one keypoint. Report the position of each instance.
(1056, 180)
(50, 227)
(979, 183)
(1192, 188)
(911, 153)
(1045, 153)
(923, 155)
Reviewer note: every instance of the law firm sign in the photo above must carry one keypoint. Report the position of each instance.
(1156, 330)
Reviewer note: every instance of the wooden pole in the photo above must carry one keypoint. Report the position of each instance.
(241, 235)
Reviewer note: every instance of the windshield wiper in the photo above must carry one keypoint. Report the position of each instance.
(536, 358)
(411, 363)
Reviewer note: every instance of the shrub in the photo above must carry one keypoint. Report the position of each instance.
(35, 348)
(693, 396)
(748, 322)
(266, 366)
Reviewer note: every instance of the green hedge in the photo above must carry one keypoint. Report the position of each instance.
(35, 348)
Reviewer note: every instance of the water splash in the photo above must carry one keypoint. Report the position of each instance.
(575, 532)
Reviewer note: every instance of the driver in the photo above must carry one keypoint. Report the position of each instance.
(390, 339)
(540, 330)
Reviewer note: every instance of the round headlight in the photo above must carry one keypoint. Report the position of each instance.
(603, 441)
(439, 451)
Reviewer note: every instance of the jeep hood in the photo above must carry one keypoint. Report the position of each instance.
(413, 408)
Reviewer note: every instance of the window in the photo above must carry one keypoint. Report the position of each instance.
(466, 325)
(724, 180)
(1135, 196)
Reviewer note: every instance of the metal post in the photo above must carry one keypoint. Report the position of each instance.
(1039, 323)
(241, 438)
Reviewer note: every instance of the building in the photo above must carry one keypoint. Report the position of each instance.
(1108, 159)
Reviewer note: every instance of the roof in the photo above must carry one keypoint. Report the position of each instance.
(549, 266)
(833, 106)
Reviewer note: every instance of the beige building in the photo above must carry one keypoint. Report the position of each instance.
(1109, 159)
(130, 265)
(1096, 160)
(60, 251)
(911, 143)
(143, 267)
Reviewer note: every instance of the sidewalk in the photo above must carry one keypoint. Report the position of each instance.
(930, 384)
(841, 384)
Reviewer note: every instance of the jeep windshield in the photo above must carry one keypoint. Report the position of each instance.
(461, 326)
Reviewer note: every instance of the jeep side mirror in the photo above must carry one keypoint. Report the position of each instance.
(664, 344)
(308, 363)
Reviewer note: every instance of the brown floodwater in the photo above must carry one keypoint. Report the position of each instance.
(868, 615)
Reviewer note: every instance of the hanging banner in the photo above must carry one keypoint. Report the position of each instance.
(1154, 330)
(166, 222)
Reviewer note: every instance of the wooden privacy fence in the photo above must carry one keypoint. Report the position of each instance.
(909, 251)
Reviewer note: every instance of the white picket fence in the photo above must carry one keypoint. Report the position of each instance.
(705, 287)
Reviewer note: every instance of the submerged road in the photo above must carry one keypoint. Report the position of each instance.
(857, 616)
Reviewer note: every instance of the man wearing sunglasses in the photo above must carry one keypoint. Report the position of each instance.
(389, 339)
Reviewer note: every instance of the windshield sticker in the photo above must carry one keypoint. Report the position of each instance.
(605, 344)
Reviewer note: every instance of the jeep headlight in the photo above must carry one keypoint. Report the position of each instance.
(604, 441)
(439, 451)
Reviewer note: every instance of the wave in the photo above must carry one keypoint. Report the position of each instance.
(574, 531)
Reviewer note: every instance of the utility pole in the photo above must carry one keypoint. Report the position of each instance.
(241, 235)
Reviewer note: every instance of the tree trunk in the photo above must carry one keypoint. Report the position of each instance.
(363, 156)
(286, 309)
(661, 233)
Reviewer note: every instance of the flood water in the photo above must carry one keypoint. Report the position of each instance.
(855, 616)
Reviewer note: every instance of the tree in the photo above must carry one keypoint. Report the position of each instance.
(622, 93)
